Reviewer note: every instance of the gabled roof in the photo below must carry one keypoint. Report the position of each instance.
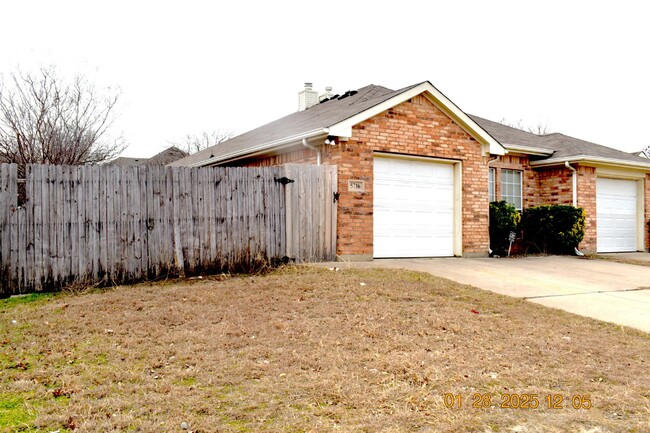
(556, 148)
(165, 157)
(337, 116)
(333, 117)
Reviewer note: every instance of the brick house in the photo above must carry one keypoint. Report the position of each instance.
(416, 173)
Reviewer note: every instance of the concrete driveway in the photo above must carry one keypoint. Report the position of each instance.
(613, 292)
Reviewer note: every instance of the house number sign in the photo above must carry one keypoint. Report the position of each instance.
(356, 185)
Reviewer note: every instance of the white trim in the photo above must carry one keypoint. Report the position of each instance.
(262, 147)
(521, 185)
(528, 150)
(620, 173)
(640, 205)
(591, 159)
(457, 167)
(492, 171)
(344, 128)
(640, 215)
(415, 157)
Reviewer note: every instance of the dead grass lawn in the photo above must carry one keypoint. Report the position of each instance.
(310, 350)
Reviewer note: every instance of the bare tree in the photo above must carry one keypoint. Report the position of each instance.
(193, 143)
(538, 129)
(44, 119)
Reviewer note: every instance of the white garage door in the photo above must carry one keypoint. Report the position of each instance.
(616, 215)
(413, 208)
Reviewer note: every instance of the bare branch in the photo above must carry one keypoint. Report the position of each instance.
(537, 129)
(193, 143)
(44, 119)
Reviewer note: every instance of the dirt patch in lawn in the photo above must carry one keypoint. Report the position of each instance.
(306, 349)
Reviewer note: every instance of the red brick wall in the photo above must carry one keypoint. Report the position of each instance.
(549, 186)
(587, 201)
(555, 186)
(529, 178)
(415, 127)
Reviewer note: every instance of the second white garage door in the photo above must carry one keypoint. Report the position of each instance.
(616, 213)
(413, 208)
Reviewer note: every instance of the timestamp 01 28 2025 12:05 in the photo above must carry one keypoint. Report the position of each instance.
(518, 401)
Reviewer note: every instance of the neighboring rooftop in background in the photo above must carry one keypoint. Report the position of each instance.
(123, 161)
(165, 157)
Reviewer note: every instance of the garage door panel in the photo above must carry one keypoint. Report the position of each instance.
(413, 208)
(616, 213)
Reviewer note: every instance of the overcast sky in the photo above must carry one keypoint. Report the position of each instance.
(582, 67)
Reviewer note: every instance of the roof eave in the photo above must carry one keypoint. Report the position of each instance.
(528, 150)
(262, 148)
(593, 160)
(344, 127)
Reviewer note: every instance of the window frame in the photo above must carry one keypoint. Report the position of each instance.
(492, 184)
(505, 197)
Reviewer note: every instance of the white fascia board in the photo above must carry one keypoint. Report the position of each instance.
(344, 128)
(528, 150)
(593, 160)
(259, 149)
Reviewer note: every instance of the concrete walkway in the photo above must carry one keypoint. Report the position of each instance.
(613, 292)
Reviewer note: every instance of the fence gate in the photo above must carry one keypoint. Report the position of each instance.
(110, 224)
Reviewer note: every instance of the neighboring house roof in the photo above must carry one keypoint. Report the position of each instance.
(165, 157)
(335, 117)
(127, 162)
(556, 148)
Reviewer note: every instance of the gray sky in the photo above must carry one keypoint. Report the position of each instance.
(583, 67)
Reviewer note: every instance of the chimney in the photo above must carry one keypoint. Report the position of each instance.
(307, 97)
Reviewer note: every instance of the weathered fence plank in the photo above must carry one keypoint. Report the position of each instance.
(109, 224)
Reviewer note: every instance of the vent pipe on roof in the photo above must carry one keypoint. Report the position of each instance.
(327, 95)
(308, 97)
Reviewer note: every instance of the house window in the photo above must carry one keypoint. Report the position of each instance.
(511, 187)
(491, 175)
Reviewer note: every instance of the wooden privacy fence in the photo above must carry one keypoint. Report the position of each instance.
(111, 224)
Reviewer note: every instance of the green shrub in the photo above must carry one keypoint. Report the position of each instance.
(554, 229)
(504, 218)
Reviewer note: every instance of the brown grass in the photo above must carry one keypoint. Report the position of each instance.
(311, 350)
(628, 261)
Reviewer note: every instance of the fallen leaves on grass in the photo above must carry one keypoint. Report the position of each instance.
(61, 392)
(305, 349)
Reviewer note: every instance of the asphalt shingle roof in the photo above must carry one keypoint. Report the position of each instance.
(165, 157)
(331, 112)
(319, 116)
(563, 146)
